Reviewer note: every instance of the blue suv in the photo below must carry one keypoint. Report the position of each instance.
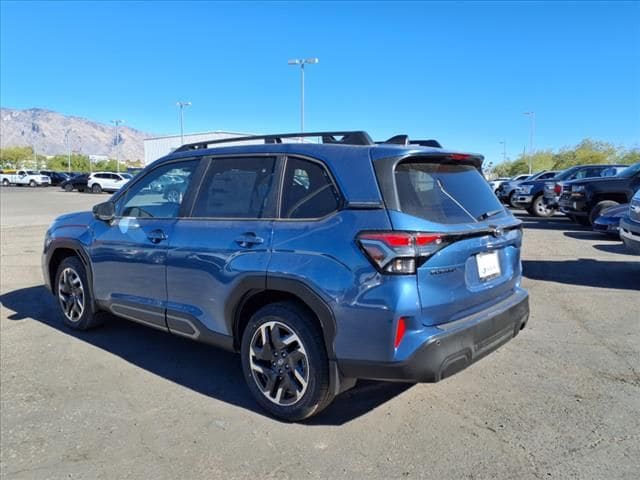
(320, 263)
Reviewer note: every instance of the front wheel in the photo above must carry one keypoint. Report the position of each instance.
(96, 188)
(512, 200)
(33, 184)
(285, 363)
(68, 187)
(600, 207)
(74, 297)
(5, 183)
(540, 209)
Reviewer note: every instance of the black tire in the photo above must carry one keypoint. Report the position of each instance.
(539, 209)
(5, 183)
(33, 184)
(96, 188)
(68, 187)
(599, 208)
(71, 287)
(530, 211)
(271, 378)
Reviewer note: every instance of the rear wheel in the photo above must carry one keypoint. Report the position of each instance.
(540, 209)
(96, 188)
(5, 182)
(285, 363)
(68, 187)
(74, 297)
(33, 184)
(600, 207)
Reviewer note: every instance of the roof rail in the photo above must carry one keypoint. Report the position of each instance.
(404, 140)
(347, 138)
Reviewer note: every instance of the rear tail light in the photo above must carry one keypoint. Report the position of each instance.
(401, 328)
(400, 252)
(557, 189)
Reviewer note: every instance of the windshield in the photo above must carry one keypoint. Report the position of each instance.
(629, 171)
(32, 172)
(445, 193)
(128, 176)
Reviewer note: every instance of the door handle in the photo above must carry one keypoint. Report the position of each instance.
(156, 236)
(249, 239)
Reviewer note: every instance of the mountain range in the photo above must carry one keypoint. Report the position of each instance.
(46, 131)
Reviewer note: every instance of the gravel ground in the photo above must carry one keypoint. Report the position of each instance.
(562, 400)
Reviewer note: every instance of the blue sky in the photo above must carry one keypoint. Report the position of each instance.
(459, 72)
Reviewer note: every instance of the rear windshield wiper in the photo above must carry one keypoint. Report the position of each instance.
(489, 214)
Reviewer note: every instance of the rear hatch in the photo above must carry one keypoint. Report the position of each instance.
(477, 262)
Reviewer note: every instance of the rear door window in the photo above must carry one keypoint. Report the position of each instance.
(237, 188)
(308, 191)
(444, 193)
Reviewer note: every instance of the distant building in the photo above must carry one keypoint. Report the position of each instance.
(98, 158)
(157, 147)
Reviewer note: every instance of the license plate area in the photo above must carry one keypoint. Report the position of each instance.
(488, 265)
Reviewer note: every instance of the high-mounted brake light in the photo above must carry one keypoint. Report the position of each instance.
(400, 252)
(459, 156)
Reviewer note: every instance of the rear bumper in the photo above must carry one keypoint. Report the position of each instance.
(455, 346)
(577, 208)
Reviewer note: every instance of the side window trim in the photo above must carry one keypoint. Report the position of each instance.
(328, 173)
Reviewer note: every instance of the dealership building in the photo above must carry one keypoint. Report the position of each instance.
(157, 147)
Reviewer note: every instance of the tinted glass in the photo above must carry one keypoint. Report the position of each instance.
(444, 193)
(630, 171)
(308, 191)
(237, 188)
(143, 201)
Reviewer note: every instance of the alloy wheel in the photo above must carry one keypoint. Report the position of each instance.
(279, 363)
(71, 294)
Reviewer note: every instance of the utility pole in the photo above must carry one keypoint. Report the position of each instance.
(532, 130)
(117, 123)
(302, 62)
(504, 150)
(182, 105)
(68, 140)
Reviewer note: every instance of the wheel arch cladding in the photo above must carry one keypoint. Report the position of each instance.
(285, 290)
(61, 249)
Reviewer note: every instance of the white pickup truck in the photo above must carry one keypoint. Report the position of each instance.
(25, 177)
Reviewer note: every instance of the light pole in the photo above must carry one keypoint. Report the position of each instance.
(532, 130)
(117, 123)
(67, 138)
(504, 150)
(302, 62)
(182, 105)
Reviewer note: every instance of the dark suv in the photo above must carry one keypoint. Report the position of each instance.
(584, 200)
(321, 263)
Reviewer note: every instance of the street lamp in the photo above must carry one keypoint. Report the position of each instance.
(67, 138)
(117, 123)
(182, 105)
(532, 130)
(504, 150)
(302, 62)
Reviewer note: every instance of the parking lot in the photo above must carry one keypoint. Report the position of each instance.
(562, 400)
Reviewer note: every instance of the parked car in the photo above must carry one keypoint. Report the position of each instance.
(529, 195)
(107, 181)
(56, 177)
(630, 225)
(584, 200)
(553, 188)
(25, 177)
(608, 222)
(388, 262)
(77, 182)
(507, 188)
(496, 183)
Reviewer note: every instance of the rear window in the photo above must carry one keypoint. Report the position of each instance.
(445, 193)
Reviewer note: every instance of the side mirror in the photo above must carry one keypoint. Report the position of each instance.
(104, 211)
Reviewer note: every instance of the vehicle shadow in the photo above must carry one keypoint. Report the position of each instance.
(617, 248)
(202, 368)
(622, 275)
(556, 222)
(588, 235)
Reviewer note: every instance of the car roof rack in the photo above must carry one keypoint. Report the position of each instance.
(358, 137)
(404, 140)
